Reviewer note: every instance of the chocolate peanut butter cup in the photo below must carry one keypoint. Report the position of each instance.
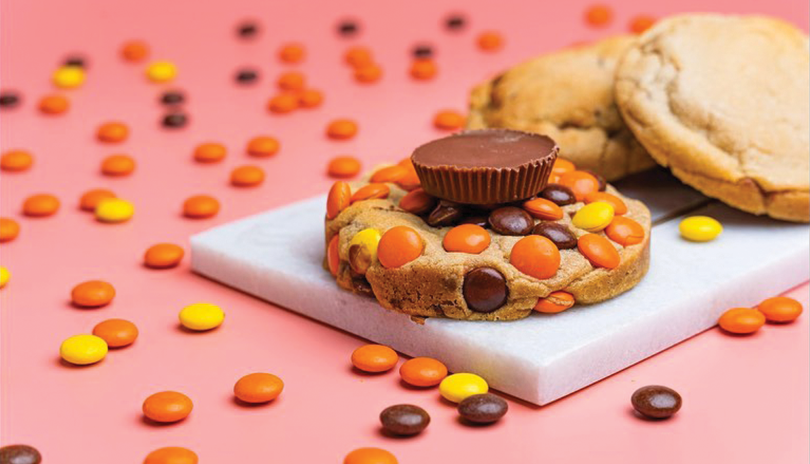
(490, 166)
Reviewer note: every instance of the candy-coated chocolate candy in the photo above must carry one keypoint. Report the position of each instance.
(619, 207)
(371, 192)
(292, 53)
(410, 181)
(116, 332)
(555, 302)
(83, 349)
(343, 167)
(490, 41)
(780, 309)
(741, 320)
(348, 28)
(259, 387)
(172, 97)
(485, 289)
(599, 251)
(210, 152)
(9, 229)
(404, 419)
(247, 176)
(446, 213)
(374, 358)
(161, 71)
(341, 129)
(117, 165)
(599, 15)
(263, 146)
(333, 255)
(580, 182)
(16, 161)
(201, 316)
(656, 401)
(535, 256)
(485, 408)
(363, 250)
(458, 387)
(559, 234)
(92, 294)
(593, 217)
(68, 77)
(114, 210)
(423, 372)
(5, 276)
(167, 406)
(370, 456)
(541, 208)
(449, 120)
(417, 202)
(466, 238)
(292, 81)
(54, 104)
(480, 221)
(358, 56)
(200, 207)
(368, 73)
(561, 166)
(423, 69)
(175, 119)
(135, 50)
(163, 256)
(310, 98)
(339, 198)
(641, 23)
(248, 30)
(9, 99)
(172, 455)
(399, 246)
(40, 205)
(283, 103)
(112, 132)
(91, 198)
(700, 228)
(389, 174)
(625, 231)
(19, 454)
(511, 220)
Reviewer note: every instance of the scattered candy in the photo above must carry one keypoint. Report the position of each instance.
(246, 76)
(458, 387)
(16, 161)
(656, 401)
(341, 129)
(511, 220)
(559, 234)
(423, 69)
(484, 408)
(562, 166)
(68, 77)
(581, 183)
(258, 388)
(358, 57)
(363, 250)
(555, 302)
(210, 152)
(310, 98)
(5, 276)
(599, 15)
(371, 192)
(292, 53)
(368, 73)
(490, 41)
(399, 246)
(135, 51)
(343, 167)
(54, 104)
(83, 349)
(174, 120)
(112, 132)
(116, 333)
(599, 251)
(348, 28)
(422, 51)
(247, 30)
(339, 198)
(161, 71)
(200, 207)
(625, 231)
(374, 358)
(780, 309)
(201, 317)
(247, 176)
(593, 217)
(75, 61)
(9, 99)
(118, 165)
(370, 456)
(417, 202)
(163, 256)
(404, 419)
(641, 23)
(466, 238)
(448, 120)
(741, 320)
(455, 22)
(9, 229)
(114, 210)
(292, 81)
(423, 372)
(92, 294)
(389, 174)
(91, 198)
(172, 97)
(700, 228)
(541, 208)
(283, 103)
(40, 205)
(535, 256)
(263, 146)
(167, 407)
(172, 455)
(19, 454)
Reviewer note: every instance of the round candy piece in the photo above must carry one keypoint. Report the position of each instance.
(135, 50)
(656, 401)
(448, 120)
(399, 246)
(163, 256)
(580, 182)
(117, 165)
(700, 228)
(374, 358)
(19, 454)
(247, 176)
(283, 103)
(292, 53)
(363, 250)
(343, 167)
(535, 256)
(593, 217)
(368, 73)
(259, 387)
(341, 129)
(485, 408)
(5, 276)
(404, 419)
(555, 302)
(91, 198)
(466, 238)
(9, 229)
(423, 372)
(371, 192)
(263, 146)
(741, 321)
(54, 104)
(172, 455)
(370, 456)
(780, 309)
(83, 349)
(625, 231)
(423, 69)
(333, 255)
(599, 15)
(210, 152)
(175, 119)
(511, 220)
(68, 77)
(599, 251)
(561, 166)
(40, 205)
(116, 332)
(200, 207)
(541, 208)
(457, 387)
(310, 98)
(201, 316)
(292, 80)
(114, 210)
(559, 234)
(161, 71)
(490, 41)
(167, 407)
(92, 294)
(339, 198)
(558, 194)
(112, 132)
(619, 207)
(16, 161)
(485, 290)
(389, 174)
(418, 202)
(446, 213)
(358, 56)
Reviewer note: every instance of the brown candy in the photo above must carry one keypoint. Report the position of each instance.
(558, 194)
(359, 259)
(404, 419)
(485, 408)
(558, 233)
(485, 290)
(511, 220)
(656, 401)
(445, 214)
(480, 221)
(19, 454)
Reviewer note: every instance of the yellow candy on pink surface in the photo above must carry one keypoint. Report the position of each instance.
(458, 387)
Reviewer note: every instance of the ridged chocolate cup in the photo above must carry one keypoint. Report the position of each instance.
(485, 167)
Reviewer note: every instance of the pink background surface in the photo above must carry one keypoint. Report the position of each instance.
(745, 399)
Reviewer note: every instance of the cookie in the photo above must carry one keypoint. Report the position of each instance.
(567, 95)
(723, 102)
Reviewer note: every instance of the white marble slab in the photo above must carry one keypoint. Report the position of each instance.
(543, 357)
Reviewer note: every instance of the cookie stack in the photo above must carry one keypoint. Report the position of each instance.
(722, 101)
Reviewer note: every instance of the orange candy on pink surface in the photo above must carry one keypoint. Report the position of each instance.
(490, 41)
(135, 51)
(341, 129)
(263, 146)
(54, 104)
(292, 53)
(343, 167)
(599, 251)
(371, 192)
(258, 388)
(370, 456)
(417, 202)
(210, 152)
(448, 120)
(399, 246)
(580, 182)
(283, 103)
(423, 372)
(91, 198)
(339, 198)
(358, 57)
(389, 174)
(541, 208)
(535, 256)
(9, 229)
(116, 332)
(16, 161)
(172, 455)
(247, 176)
(292, 80)
(167, 407)
(40, 205)
(200, 207)
(641, 23)
(780, 309)
(367, 74)
(741, 320)
(374, 358)
(625, 231)
(599, 15)
(555, 302)
(92, 294)
(112, 132)
(118, 165)
(466, 238)
(423, 69)
(310, 98)
(163, 256)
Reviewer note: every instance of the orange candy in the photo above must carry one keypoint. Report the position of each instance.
(561, 166)
(116, 332)
(374, 358)
(466, 238)
(283, 103)
(54, 104)
(343, 166)
(399, 246)
(741, 320)
(625, 231)
(210, 152)
(368, 73)
(112, 132)
(310, 98)
(163, 256)
(258, 388)
(580, 182)
(448, 120)
(618, 205)
(263, 146)
(92, 294)
(370, 456)
(535, 256)
(423, 69)
(599, 251)
(341, 129)
(135, 51)
(247, 176)
(292, 81)
(555, 302)
(16, 160)
(541, 208)
(417, 202)
(339, 198)
(167, 406)
(371, 192)
(40, 205)
(410, 181)
(423, 372)
(172, 455)
(117, 165)
(641, 23)
(200, 207)
(91, 198)
(389, 174)
(780, 309)
(9, 229)
(333, 255)
(599, 15)
(292, 53)
(490, 41)
(358, 57)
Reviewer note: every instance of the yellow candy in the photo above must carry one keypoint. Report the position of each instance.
(83, 349)
(68, 77)
(161, 71)
(594, 217)
(363, 249)
(114, 210)
(201, 316)
(458, 387)
(700, 228)
(4, 276)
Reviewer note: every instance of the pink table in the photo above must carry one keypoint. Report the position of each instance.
(745, 399)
